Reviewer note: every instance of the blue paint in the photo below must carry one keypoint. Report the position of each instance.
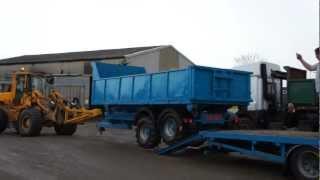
(123, 86)
(218, 140)
(247, 136)
(254, 153)
(195, 84)
(103, 70)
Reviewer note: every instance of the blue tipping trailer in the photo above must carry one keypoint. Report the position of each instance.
(180, 106)
(194, 85)
(171, 104)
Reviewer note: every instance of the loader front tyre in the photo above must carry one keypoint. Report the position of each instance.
(146, 133)
(3, 121)
(30, 122)
(66, 129)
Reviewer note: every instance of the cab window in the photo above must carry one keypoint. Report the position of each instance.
(5, 87)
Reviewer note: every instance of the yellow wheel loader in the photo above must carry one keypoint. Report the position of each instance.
(24, 106)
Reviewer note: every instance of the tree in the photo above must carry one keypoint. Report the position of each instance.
(248, 59)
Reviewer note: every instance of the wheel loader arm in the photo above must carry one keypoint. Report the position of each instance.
(71, 115)
(74, 115)
(80, 115)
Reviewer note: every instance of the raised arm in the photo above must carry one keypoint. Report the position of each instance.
(305, 64)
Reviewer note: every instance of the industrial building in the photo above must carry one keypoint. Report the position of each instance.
(72, 70)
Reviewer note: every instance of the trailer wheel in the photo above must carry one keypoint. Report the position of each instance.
(3, 121)
(171, 127)
(30, 122)
(304, 163)
(65, 129)
(146, 133)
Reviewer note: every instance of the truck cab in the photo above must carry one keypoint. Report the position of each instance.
(273, 86)
(267, 94)
(281, 98)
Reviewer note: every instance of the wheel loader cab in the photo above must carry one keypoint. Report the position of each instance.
(21, 87)
(13, 90)
(25, 83)
(38, 83)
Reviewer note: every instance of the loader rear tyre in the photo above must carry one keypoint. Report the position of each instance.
(147, 134)
(3, 121)
(66, 129)
(171, 127)
(30, 122)
(304, 163)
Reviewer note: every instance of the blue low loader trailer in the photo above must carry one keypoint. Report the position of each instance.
(195, 106)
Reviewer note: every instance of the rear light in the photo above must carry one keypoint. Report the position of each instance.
(236, 120)
(215, 117)
(187, 120)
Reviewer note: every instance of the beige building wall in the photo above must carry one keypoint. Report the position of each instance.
(168, 59)
(183, 61)
(59, 68)
(161, 59)
(8, 69)
(150, 61)
(113, 61)
(50, 68)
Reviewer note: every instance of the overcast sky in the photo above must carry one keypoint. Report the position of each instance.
(210, 33)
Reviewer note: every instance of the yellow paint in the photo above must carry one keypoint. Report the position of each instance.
(13, 105)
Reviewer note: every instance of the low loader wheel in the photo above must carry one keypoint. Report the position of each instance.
(171, 127)
(304, 163)
(65, 129)
(30, 122)
(3, 121)
(146, 133)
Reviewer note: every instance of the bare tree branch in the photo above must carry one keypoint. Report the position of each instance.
(248, 59)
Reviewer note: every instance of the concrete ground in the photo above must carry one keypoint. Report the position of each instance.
(115, 155)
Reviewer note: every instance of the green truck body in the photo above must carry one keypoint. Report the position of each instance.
(302, 92)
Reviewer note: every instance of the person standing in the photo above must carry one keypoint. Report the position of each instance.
(314, 67)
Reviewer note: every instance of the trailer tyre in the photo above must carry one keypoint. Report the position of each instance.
(30, 122)
(171, 127)
(66, 129)
(3, 121)
(304, 163)
(146, 133)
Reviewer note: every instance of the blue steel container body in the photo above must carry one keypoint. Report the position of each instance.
(104, 70)
(193, 85)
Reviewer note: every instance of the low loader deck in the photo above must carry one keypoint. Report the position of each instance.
(270, 145)
(306, 134)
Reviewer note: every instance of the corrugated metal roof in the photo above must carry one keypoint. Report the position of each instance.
(74, 56)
